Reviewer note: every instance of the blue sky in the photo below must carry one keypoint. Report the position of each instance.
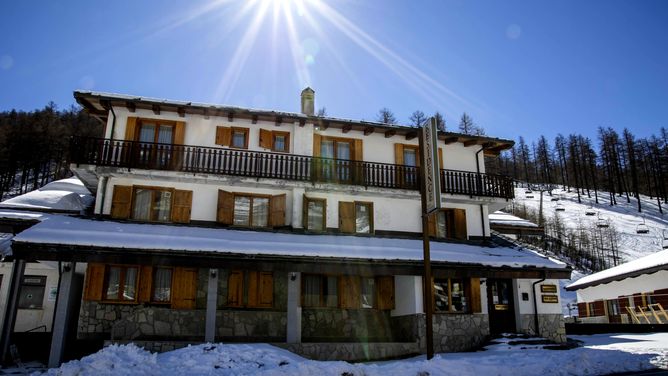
(516, 67)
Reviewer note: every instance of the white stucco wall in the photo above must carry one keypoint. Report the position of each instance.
(526, 306)
(408, 297)
(628, 286)
(27, 319)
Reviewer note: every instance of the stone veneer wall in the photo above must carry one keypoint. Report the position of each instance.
(452, 332)
(324, 324)
(96, 320)
(551, 326)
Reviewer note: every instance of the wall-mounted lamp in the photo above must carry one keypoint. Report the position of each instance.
(316, 127)
(293, 276)
(214, 273)
(67, 266)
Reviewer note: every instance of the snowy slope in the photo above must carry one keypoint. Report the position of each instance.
(624, 217)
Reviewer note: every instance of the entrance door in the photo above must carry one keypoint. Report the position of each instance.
(500, 305)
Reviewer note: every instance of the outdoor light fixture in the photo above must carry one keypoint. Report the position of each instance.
(67, 266)
(293, 276)
(214, 272)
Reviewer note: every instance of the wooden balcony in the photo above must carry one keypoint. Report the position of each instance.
(198, 159)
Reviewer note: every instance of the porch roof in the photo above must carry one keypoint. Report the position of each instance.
(66, 231)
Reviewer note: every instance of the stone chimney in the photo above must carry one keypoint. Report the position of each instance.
(308, 101)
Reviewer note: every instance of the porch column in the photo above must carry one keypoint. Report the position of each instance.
(18, 269)
(211, 303)
(294, 319)
(61, 316)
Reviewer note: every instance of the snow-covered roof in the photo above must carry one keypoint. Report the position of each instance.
(644, 265)
(63, 230)
(505, 219)
(62, 195)
(5, 244)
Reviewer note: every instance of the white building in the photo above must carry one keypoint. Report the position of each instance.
(226, 223)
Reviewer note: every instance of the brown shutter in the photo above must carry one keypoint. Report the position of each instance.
(317, 139)
(266, 292)
(347, 217)
(184, 288)
(235, 288)
(266, 139)
(350, 291)
(181, 206)
(225, 207)
(440, 158)
(385, 292)
(431, 224)
(179, 133)
(582, 309)
(130, 129)
(121, 201)
(94, 282)
(358, 151)
(145, 284)
(460, 224)
(277, 215)
(304, 212)
(398, 153)
(223, 136)
(474, 295)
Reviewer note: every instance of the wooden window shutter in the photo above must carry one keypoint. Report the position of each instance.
(266, 291)
(431, 224)
(358, 150)
(130, 129)
(145, 284)
(180, 133)
(121, 201)
(474, 295)
(253, 288)
(440, 158)
(277, 215)
(460, 224)
(94, 282)
(317, 139)
(399, 153)
(181, 206)
(347, 217)
(385, 292)
(223, 136)
(582, 309)
(235, 288)
(184, 288)
(350, 292)
(304, 212)
(266, 139)
(225, 207)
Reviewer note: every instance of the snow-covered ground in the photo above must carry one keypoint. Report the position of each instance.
(599, 355)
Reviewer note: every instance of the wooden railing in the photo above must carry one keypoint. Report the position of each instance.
(198, 159)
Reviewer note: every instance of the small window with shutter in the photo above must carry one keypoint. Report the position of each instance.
(315, 214)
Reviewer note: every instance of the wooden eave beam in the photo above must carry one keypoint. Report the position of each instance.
(230, 116)
(324, 125)
(346, 128)
(205, 112)
(254, 119)
(470, 143)
(302, 122)
(106, 104)
(390, 132)
(411, 135)
(181, 111)
(130, 106)
(156, 109)
(368, 130)
(450, 140)
(279, 120)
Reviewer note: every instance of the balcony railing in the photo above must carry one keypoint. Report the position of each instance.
(198, 159)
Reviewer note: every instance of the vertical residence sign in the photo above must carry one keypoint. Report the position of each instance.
(431, 182)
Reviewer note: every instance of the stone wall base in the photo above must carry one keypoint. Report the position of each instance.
(551, 326)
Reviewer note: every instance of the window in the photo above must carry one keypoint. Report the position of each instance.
(450, 296)
(121, 283)
(356, 217)
(363, 217)
(260, 289)
(251, 211)
(320, 291)
(448, 224)
(153, 130)
(155, 142)
(443, 224)
(32, 292)
(315, 214)
(411, 162)
(239, 138)
(281, 141)
(152, 204)
(162, 285)
(368, 292)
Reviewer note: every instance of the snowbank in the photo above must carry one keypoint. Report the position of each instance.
(601, 354)
(61, 195)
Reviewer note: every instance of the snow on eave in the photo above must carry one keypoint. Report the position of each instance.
(501, 218)
(69, 231)
(645, 265)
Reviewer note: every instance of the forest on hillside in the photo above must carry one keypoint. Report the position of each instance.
(621, 165)
(34, 145)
